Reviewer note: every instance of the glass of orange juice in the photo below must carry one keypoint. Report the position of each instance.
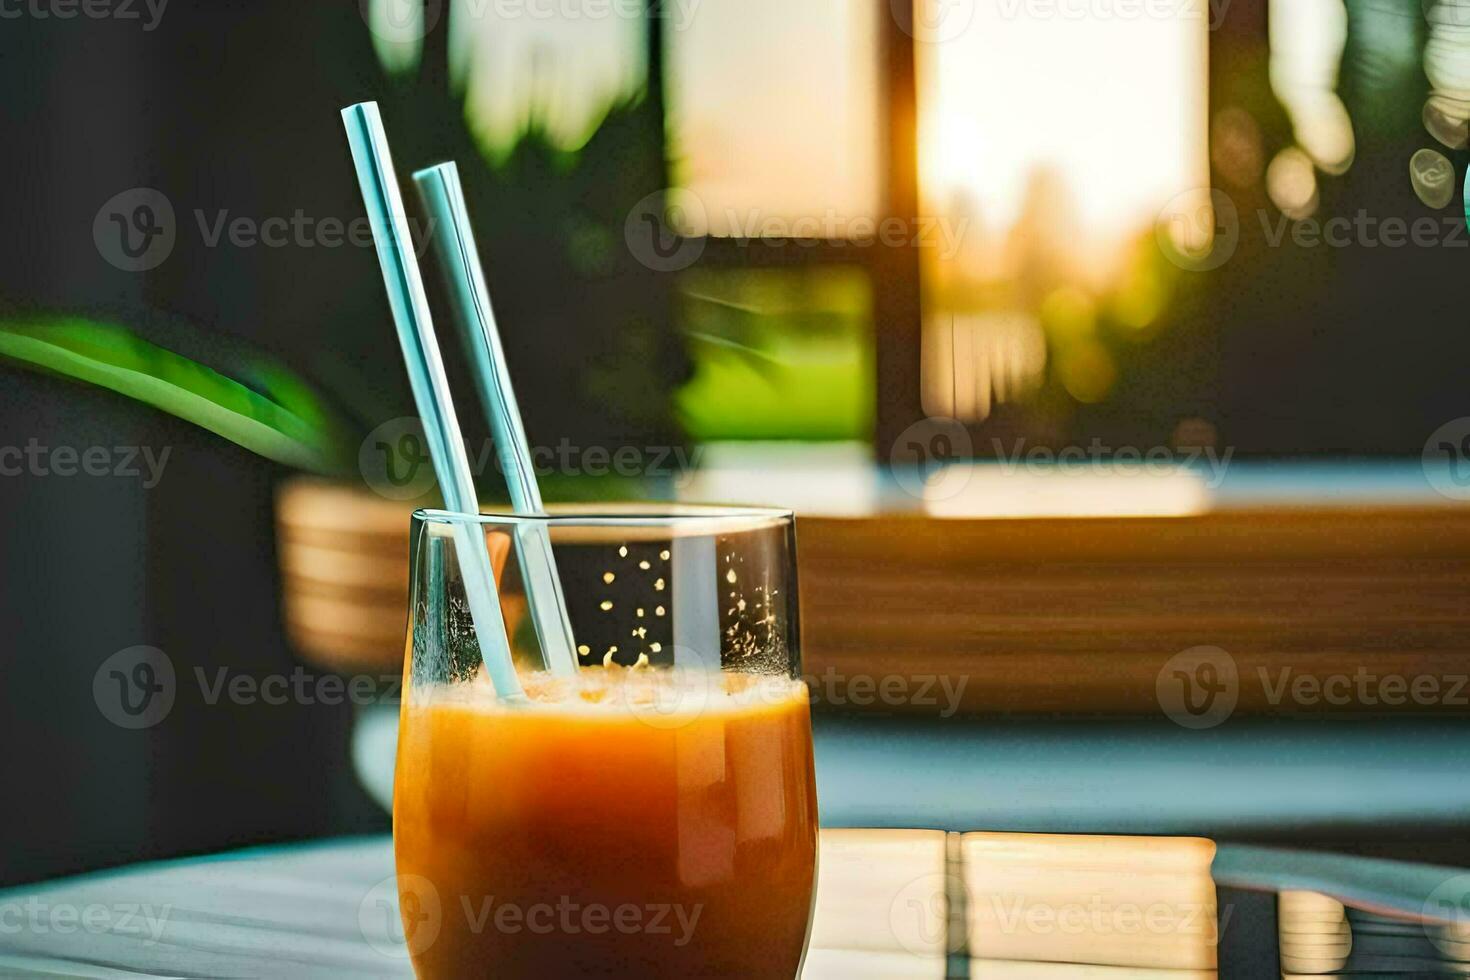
(653, 815)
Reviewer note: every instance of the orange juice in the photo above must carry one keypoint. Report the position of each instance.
(622, 825)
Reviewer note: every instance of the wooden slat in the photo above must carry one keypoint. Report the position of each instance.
(1082, 614)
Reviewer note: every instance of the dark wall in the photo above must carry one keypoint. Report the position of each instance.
(223, 106)
(230, 110)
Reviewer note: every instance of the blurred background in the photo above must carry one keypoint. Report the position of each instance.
(823, 253)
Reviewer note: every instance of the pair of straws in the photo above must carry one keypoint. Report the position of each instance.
(443, 198)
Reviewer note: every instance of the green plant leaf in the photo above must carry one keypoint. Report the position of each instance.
(289, 425)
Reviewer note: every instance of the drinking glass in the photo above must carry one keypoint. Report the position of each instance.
(653, 815)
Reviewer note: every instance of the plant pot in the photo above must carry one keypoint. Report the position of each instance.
(343, 552)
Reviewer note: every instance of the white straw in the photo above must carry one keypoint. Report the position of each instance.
(459, 257)
(430, 386)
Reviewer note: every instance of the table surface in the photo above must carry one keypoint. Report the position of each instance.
(890, 904)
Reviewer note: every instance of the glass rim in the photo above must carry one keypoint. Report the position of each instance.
(632, 514)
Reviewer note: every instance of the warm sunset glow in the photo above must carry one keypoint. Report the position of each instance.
(1110, 108)
(1058, 136)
